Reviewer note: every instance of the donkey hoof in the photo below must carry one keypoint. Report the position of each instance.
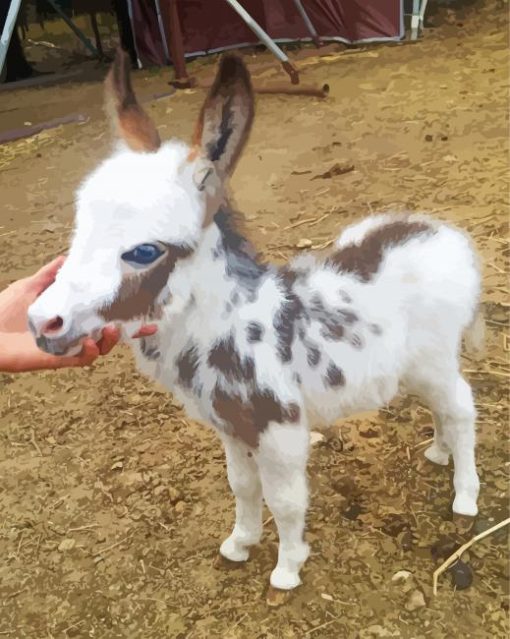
(283, 579)
(234, 551)
(222, 563)
(437, 456)
(464, 504)
(276, 597)
(463, 523)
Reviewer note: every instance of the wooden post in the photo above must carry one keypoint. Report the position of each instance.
(175, 45)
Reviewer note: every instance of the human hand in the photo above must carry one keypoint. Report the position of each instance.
(18, 350)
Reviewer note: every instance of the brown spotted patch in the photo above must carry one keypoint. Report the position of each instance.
(238, 414)
(248, 419)
(363, 260)
(313, 354)
(138, 291)
(356, 341)
(244, 264)
(187, 366)
(226, 359)
(332, 320)
(345, 297)
(334, 376)
(149, 347)
(285, 318)
(348, 317)
(375, 329)
(254, 332)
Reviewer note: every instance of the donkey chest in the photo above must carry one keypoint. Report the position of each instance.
(179, 366)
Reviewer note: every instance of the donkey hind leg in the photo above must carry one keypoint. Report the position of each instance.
(459, 425)
(438, 452)
(282, 458)
(450, 399)
(244, 480)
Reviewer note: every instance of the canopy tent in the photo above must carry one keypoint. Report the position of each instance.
(166, 31)
(209, 26)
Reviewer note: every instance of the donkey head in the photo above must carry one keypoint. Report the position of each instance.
(143, 211)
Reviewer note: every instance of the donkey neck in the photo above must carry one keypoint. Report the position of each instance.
(224, 271)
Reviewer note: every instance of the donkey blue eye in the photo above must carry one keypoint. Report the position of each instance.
(142, 254)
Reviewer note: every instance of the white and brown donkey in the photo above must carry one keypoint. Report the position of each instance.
(261, 352)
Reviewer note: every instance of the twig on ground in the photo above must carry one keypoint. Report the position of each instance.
(323, 625)
(82, 528)
(496, 268)
(34, 443)
(425, 441)
(108, 548)
(300, 223)
(456, 555)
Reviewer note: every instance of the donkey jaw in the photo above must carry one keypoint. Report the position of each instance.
(60, 346)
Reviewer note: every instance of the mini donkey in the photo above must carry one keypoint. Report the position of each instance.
(262, 352)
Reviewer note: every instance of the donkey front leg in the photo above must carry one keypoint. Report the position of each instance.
(282, 458)
(244, 480)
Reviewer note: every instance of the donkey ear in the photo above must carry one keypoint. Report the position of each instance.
(226, 117)
(132, 123)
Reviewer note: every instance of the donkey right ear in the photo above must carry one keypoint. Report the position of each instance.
(226, 117)
(132, 123)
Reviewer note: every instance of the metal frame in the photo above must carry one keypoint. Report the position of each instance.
(266, 39)
(7, 31)
(170, 28)
(422, 12)
(162, 31)
(77, 32)
(417, 17)
(309, 24)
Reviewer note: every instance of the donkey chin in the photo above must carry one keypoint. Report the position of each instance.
(61, 346)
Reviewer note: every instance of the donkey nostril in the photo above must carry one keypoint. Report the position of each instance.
(53, 325)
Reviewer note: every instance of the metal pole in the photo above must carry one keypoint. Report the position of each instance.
(97, 35)
(422, 12)
(309, 24)
(9, 26)
(415, 19)
(77, 32)
(133, 32)
(266, 39)
(162, 31)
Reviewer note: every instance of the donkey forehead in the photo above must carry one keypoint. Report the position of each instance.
(139, 196)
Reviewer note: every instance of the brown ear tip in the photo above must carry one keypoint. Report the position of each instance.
(118, 61)
(232, 67)
(121, 60)
(120, 55)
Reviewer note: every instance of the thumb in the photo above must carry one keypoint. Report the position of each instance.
(46, 275)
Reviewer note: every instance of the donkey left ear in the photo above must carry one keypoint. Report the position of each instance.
(226, 117)
(133, 125)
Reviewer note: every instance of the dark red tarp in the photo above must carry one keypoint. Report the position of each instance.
(211, 25)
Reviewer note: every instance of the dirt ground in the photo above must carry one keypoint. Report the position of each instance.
(113, 504)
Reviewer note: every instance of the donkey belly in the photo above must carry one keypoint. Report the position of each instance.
(326, 406)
